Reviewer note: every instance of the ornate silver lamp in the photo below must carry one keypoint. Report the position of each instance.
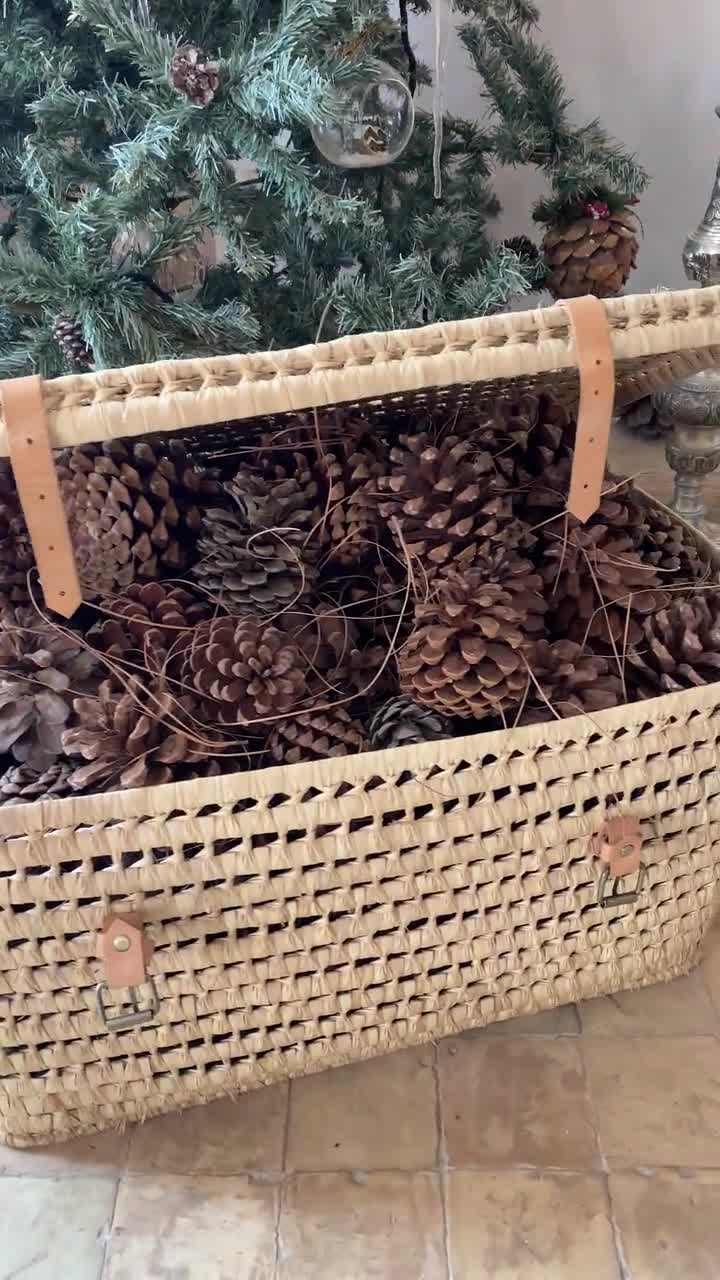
(692, 407)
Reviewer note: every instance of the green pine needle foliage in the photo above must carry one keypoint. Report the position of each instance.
(113, 184)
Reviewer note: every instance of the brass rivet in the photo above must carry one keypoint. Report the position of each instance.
(121, 943)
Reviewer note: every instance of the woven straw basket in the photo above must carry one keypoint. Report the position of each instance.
(311, 915)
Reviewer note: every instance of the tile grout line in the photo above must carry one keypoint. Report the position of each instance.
(104, 1265)
(442, 1161)
(623, 1265)
(281, 1186)
(618, 1249)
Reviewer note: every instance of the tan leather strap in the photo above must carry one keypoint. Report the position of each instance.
(596, 364)
(39, 493)
(124, 950)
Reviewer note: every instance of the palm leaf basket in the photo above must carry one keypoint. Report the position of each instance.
(311, 915)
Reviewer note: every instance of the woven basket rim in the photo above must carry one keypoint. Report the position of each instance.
(656, 339)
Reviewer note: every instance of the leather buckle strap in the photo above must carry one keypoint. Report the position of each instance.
(596, 365)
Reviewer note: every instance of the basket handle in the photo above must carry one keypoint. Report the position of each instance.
(39, 492)
(596, 365)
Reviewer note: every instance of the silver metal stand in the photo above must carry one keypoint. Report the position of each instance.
(692, 407)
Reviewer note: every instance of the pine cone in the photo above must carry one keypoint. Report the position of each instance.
(668, 545)
(571, 680)
(316, 735)
(244, 669)
(401, 722)
(337, 660)
(525, 248)
(353, 477)
(69, 336)
(16, 553)
(41, 671)
(260, 556)
(22, 785)
(151, 618)
(136, 737)
(469, 653)
(448, 499)
(133, 510)
(194, 74)
(679, 647)
(597, 585)
(594, 253)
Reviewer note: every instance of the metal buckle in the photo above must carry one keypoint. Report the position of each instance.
(616, 899)
(138, 1015)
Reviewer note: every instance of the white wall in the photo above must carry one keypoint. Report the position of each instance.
(650, 69)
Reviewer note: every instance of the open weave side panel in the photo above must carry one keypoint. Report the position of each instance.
(307, 916)
(656, 338)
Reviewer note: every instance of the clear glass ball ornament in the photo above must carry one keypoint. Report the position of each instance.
(373, 123)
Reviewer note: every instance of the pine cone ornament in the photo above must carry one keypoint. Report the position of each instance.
(246, 670)
(447, 499)
(597, 585)
(149, 621)
(194, 74)
(41, 671)
(571, 681)
(260, 555)
(591, 253)
(133, 510)
(315, 735)
(22, 785)
(136, 737)
(402, 722)
(16, 553)
(69, 336)
(468, 656)
(679, 648)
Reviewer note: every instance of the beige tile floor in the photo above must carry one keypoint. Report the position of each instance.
(583, 1144)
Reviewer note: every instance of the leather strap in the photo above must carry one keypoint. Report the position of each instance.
(39, 493)
(596, 364)
(124, 950)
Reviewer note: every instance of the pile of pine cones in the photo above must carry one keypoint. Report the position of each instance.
(339, 583)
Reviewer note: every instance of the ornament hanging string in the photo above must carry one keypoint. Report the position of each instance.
(407, 47)
(438, 95)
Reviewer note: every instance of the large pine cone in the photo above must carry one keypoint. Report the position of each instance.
(353, 475)
(316, 735)
(402, 722)
(469, 653)
(568, 680)
(592, 254)
(260, 555)
(679, 648)
(41, 671)
(134, 510)
(247, 671)
(448, 499)
(16, 553)
(22, 785)
(668, 545)
(597, 585)
(149, 619)
(136, 737)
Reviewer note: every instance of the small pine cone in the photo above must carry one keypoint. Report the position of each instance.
(316, 735)
(353, 477)
(598, 587)
(447, 500)
(149, 617)
(668, 545)
(679, 648)
(22, 785)
(469, 653)
(524, 247)
(69, 336)
(402, 722)
(245, 670)
(571, 681)
(136, 737)
(42, 668)
(336, 659)
(194, 74)
(133, 510)
(16, 553)
(594, 253)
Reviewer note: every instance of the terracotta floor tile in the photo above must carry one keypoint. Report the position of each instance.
(669, 1224)
(681, 1007)
(379, 1114)
(552, 1022)
(376, 1226)
(515, 1102)
(657, 1101)
(527, 1226)
(183, 1228)
(100, 1153)
(233, 1136)
(54, 1228)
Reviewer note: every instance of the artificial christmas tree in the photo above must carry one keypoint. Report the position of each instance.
(140, 138)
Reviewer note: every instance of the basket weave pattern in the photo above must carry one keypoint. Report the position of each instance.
(316, 914)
